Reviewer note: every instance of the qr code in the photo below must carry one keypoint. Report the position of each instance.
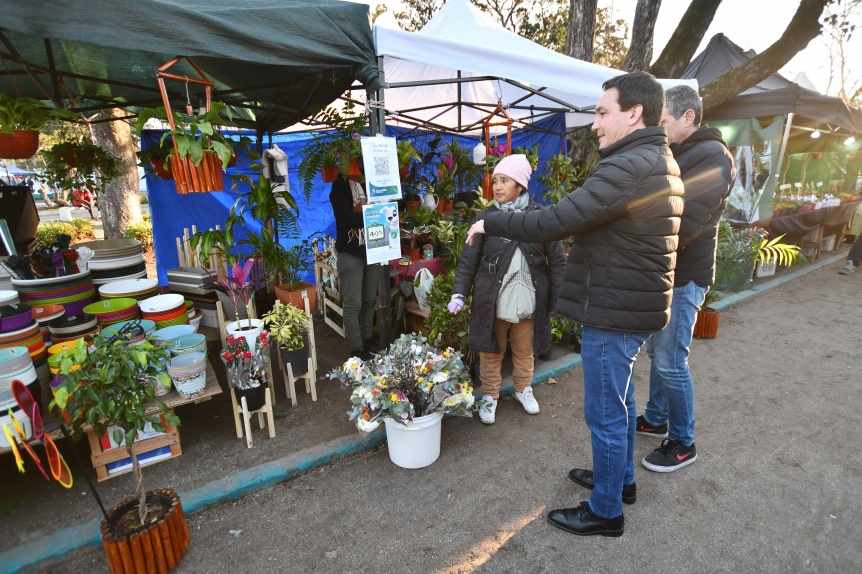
(381, 166)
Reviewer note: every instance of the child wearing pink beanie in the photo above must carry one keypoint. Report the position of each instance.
(517, 167)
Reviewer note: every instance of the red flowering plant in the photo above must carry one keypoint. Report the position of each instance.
(246, 368)
(240, 285)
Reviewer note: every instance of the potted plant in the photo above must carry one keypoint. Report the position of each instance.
(559, 177)
(21, 119)
(239, 286)
(287, 324)
(296, 262)
(76, 161)
(155, 158)
(246, 367)
(198, 146)
(339, 147)
(111, 387)
(406, 153)
(409, 386)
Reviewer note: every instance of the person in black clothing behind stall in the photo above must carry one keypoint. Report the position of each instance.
(358, 279)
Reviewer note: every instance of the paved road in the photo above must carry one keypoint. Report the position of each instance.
(775, 488)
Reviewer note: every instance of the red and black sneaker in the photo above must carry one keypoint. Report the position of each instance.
(670, 456)
(647, 429)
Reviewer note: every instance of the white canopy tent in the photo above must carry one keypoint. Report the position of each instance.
(450, 74)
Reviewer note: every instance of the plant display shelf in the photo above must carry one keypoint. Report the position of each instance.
(327, 297)
(101, 458)
(412, 309)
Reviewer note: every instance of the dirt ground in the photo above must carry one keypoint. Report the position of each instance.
(775, 487)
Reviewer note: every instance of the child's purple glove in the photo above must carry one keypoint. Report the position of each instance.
(455, 305)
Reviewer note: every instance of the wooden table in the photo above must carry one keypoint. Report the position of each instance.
(814, 224)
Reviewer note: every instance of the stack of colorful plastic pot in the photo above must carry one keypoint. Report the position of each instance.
(15, 363)
(115, 260)
(189, 374)
(73, 292)
(71, 327)
(112, 311)
(138, 289)
(44, 315)
(165, 310)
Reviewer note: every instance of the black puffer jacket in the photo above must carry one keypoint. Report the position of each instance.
(707, 173)
(474, 274)
(625, 219)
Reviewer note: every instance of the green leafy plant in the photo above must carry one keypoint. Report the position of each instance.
(113, 385)
(195, 135)
(562, 325)
(27, 114)
(559, 177)
(406, 152)
(73, 162)
(335, 147)
(451, 329)
(142, 231)
(78, 229)
(287, 324)
(532, 154)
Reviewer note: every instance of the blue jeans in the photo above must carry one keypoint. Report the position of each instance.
(608, 359)
(671, 391)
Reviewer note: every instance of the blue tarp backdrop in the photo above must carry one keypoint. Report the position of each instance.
(172, 213)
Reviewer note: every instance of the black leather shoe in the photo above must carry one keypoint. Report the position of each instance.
(584, 522)
(585, 478)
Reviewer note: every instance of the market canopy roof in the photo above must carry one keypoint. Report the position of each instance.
(774, 96)
(280, 59)
(450, 74)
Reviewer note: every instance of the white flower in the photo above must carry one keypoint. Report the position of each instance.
(440, 377)
(366, 426)
(451, 401)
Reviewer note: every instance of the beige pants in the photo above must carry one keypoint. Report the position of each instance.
(522, 356)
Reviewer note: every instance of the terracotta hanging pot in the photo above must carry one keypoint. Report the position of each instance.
(353, 169)
(329, 174)
(20, 144)
(159, 167)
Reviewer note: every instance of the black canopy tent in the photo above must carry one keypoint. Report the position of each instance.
(281, 60)
(776, 96)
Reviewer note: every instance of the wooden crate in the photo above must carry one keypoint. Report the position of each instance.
(418, 317)
(101, 458)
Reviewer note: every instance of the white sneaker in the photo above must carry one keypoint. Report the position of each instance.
(848, 268)
(487, 409)
(527, 399)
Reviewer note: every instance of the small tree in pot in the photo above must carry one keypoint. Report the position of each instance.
(113, 387)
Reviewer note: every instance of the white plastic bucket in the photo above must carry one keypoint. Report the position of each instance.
(65, 214)
(416, 445)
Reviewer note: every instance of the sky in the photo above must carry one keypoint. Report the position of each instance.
(752, 24)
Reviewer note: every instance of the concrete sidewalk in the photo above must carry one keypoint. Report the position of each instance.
(473, 456)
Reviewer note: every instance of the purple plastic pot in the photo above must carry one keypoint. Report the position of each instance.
(15, 317)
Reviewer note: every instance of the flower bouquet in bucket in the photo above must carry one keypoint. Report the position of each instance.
(409, 387)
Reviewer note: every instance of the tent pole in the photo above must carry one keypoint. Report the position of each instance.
(783, 147)
(378, 116)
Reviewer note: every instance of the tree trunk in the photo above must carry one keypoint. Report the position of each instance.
(854, 164)
(680, 49)
(640, 50)
(581, 29)
(120, 204)
(804, 27)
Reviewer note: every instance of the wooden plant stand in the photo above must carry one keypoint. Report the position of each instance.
(240, 411)
(101, 458)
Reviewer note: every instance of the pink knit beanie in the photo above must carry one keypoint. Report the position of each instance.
(517, 167)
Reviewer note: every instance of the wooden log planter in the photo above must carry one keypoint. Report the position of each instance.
(156, 547)
(706, 324)
(190, 178)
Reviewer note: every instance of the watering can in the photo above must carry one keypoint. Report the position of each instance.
(429, 201)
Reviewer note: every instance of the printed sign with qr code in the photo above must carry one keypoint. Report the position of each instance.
(380, 158)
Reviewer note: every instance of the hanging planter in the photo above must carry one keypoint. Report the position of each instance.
(329, 173)
(190, 178)
(353, 169)
(20, 144)
(158, 165)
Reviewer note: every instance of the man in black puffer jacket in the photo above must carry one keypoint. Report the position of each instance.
(708, 173)
(618, 281)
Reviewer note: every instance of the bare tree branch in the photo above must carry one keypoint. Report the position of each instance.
(680, 49)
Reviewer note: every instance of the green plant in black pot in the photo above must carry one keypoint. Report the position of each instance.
(288, 325)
